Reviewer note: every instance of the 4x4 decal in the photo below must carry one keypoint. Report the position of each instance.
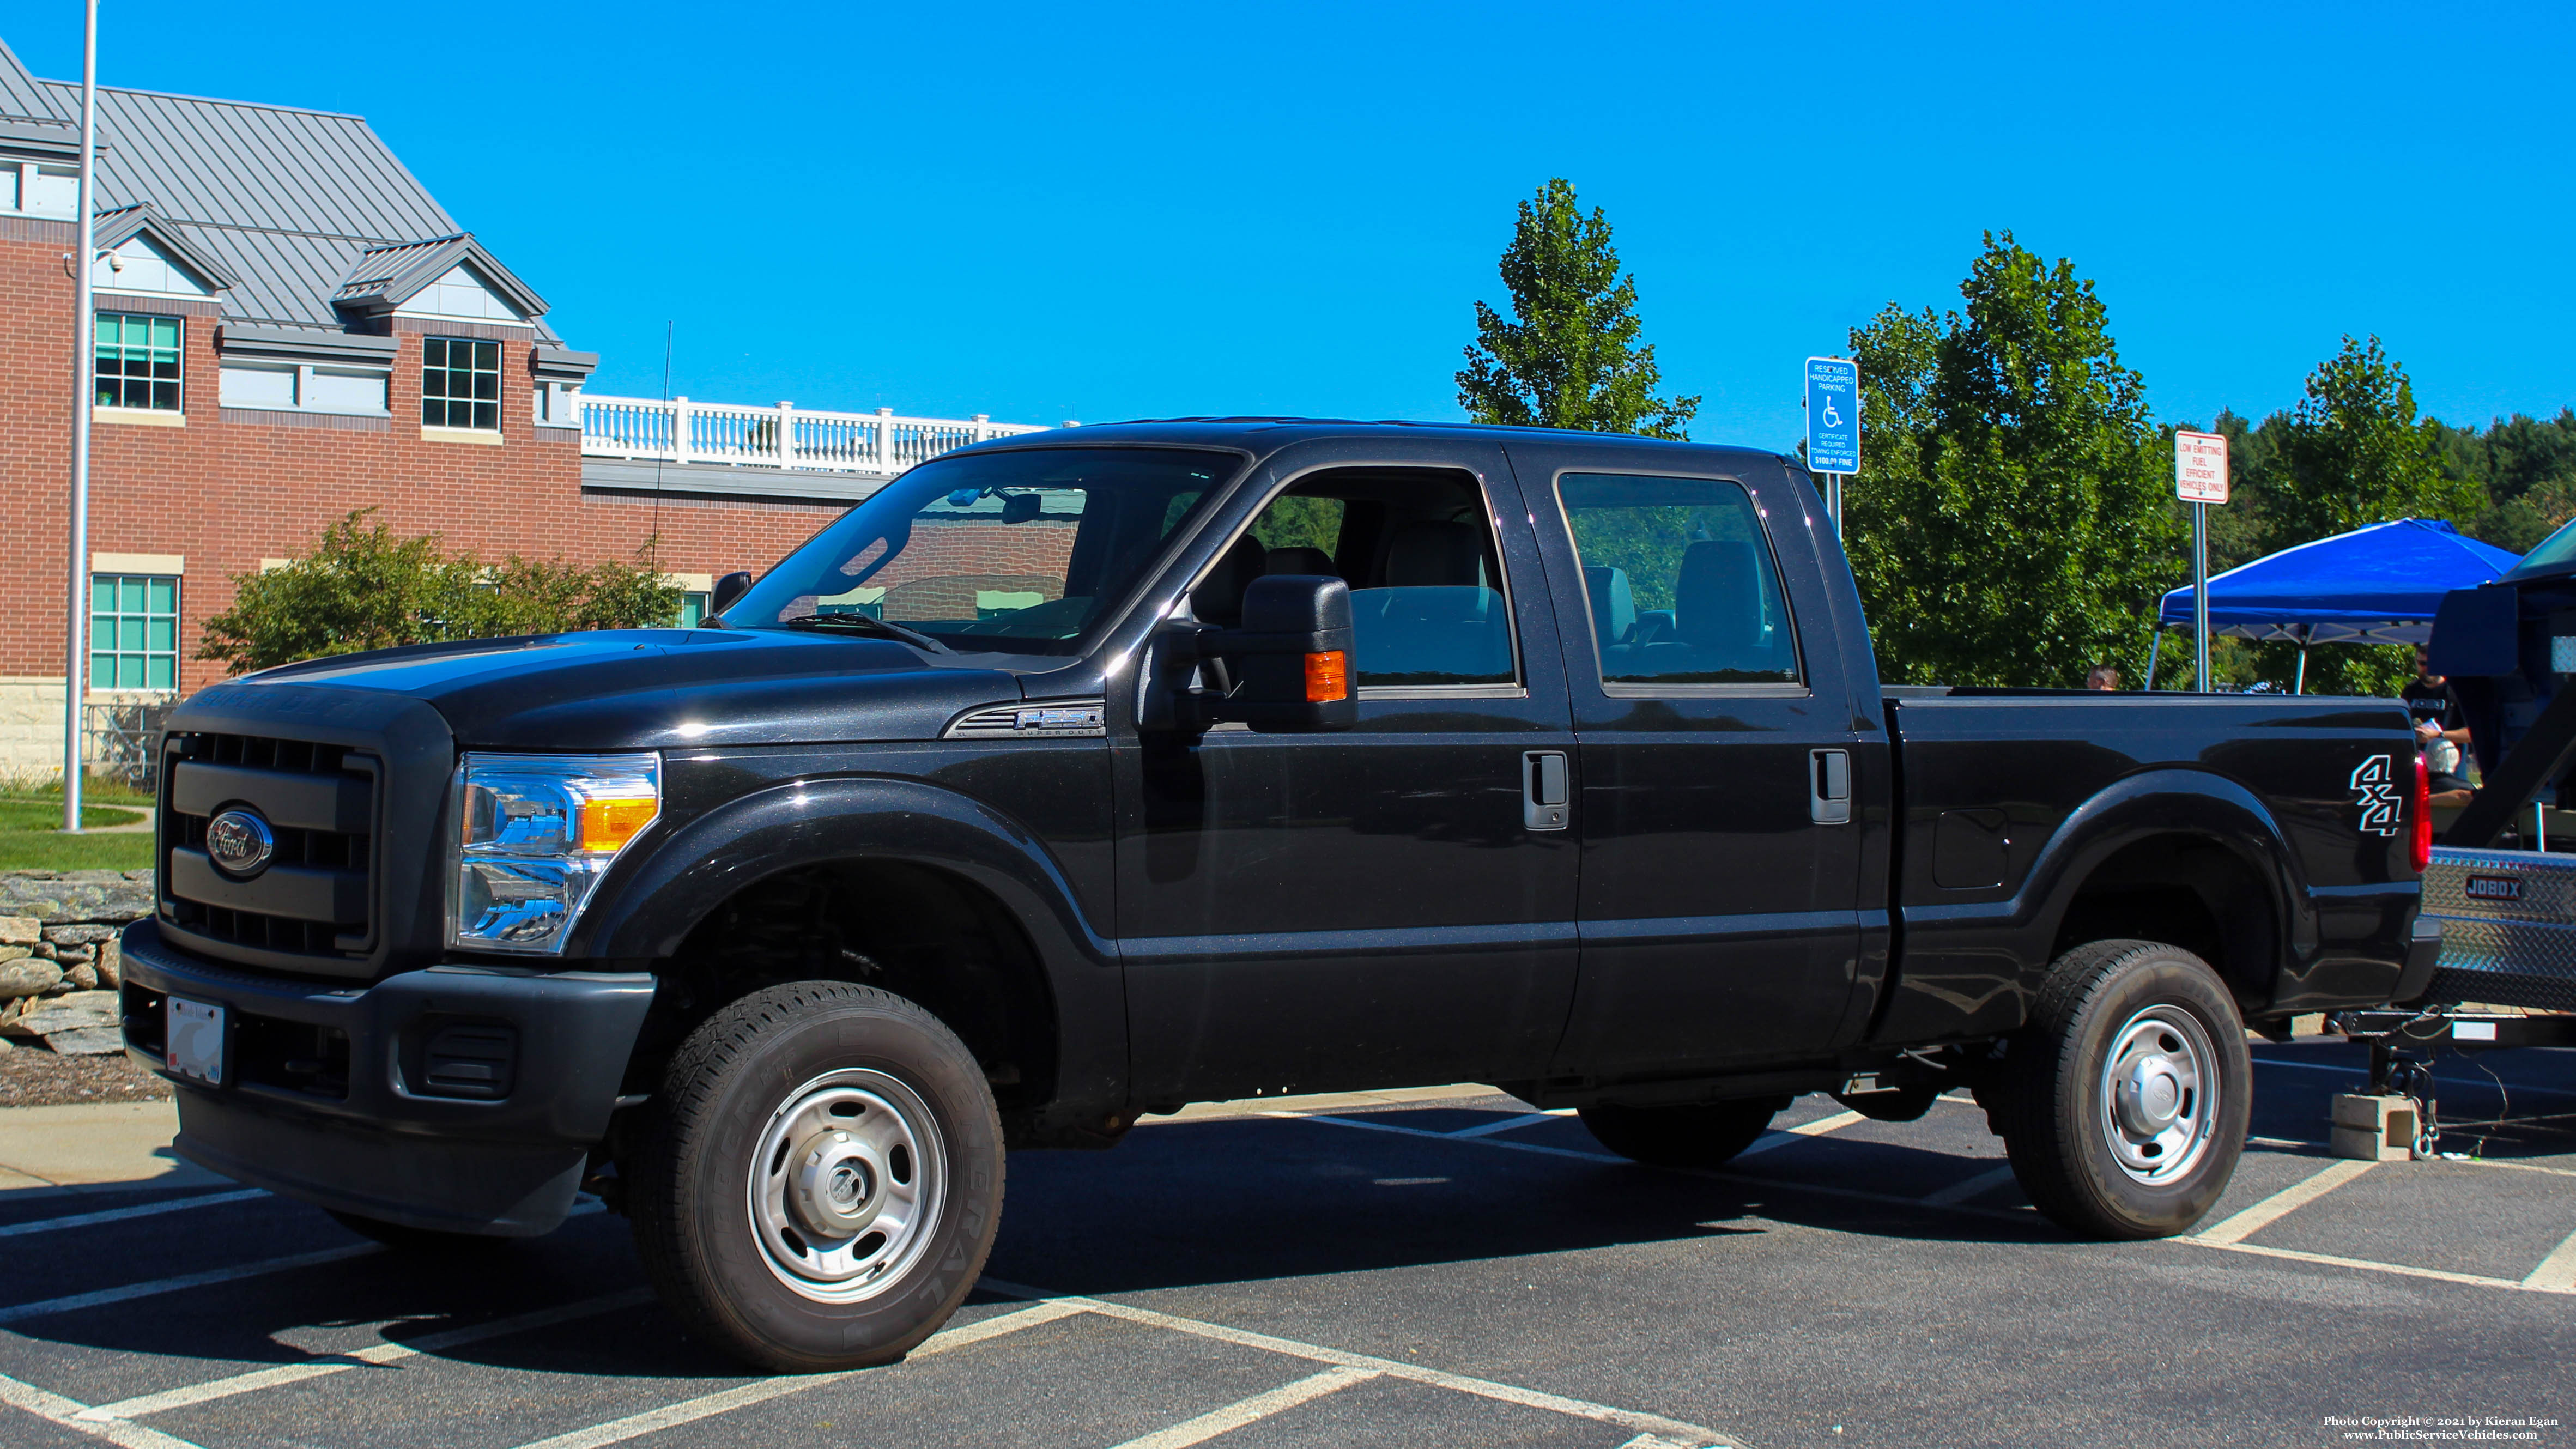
(2376, 792)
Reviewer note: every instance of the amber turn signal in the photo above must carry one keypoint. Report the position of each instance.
(606, 825)
(1328, 677)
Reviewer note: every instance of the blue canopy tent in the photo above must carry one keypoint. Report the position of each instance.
(2376, 585)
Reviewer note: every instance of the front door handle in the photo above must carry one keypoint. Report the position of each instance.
(1829, 787)
(1546, 799)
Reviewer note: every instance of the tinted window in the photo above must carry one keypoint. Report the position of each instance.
(1015, 552)
(1418, 552)
(1680, 580)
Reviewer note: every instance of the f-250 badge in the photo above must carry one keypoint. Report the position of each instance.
(2377, 795)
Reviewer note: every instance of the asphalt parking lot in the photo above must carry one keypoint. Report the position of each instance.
(1457, 1271)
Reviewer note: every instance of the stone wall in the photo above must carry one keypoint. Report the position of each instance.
(59, 970)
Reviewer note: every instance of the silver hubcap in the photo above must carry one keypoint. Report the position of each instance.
(2159, 1094)
(848, 1183)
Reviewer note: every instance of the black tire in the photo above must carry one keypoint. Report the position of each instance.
(403, 1238)
(1700, 1135)
(744, 1282)
(2065, 1133)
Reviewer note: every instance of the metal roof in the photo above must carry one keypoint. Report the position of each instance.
(143, 218)
(386, 277)
(288, 201)
(20, 95)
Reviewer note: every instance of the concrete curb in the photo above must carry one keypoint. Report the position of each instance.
(90, 1147)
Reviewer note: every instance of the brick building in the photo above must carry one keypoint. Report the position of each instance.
(288, 326)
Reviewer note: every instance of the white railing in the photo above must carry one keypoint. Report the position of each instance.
(786, 436)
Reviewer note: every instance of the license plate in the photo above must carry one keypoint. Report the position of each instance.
(193, 1037)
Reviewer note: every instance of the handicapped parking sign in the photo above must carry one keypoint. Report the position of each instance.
(1833, 415)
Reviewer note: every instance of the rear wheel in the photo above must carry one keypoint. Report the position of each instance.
(1700, 1135)
(823, 1180)
(2124, 1100)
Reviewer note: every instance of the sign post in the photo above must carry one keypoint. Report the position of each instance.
(2200, 479)
(1833, 427)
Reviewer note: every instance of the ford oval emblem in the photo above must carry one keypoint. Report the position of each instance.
(240, 842)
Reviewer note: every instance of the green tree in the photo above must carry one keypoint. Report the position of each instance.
(2013, 521)
(1568, 357)
(2352, 454)
(363, 588)
(2355, 455)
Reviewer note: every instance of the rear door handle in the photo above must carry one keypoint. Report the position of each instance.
(1546, 802)
(1829, 787)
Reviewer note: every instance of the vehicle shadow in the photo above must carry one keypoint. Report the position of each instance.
(1182, 1204)
(1235, 1200)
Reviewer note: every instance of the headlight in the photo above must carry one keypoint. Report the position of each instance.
(536, 832)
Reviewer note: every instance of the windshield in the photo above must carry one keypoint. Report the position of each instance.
(2554, 554)
(1011, 552)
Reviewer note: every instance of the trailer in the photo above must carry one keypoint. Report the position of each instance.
(2502, 889)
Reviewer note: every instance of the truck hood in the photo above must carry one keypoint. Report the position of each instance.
(639, 689)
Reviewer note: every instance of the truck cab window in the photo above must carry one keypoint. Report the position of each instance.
(1680, 581)
(1015, 552)
(1418, 551)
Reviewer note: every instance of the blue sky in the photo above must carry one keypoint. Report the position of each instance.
(1099, 212)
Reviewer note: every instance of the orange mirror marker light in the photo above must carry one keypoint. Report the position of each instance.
(606, 825)
(1328, 677)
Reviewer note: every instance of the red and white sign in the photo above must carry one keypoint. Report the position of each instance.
(2200, 467)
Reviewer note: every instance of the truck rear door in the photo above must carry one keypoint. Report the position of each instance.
(1717, 907)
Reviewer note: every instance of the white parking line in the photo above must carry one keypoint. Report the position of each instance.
(2403, 1270)
(54, 1408)
(1817, 1128)
(1508, 1124)
(2557, 1272)
(707, 1406)
(377, 1354)
(1417, 1373)
(1260, 1406)
(117, 1215)
(18, 1312)
(2280, 1205)
(1983, 1182)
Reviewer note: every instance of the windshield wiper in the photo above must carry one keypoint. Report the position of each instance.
(870, 624)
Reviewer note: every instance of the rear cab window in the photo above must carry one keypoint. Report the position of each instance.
(1680, 585)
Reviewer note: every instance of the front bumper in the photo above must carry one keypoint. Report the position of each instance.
(352, 1096)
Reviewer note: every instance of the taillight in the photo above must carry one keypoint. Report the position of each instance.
(2422, 805)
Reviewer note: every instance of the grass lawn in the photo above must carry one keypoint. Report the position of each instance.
(31, 837)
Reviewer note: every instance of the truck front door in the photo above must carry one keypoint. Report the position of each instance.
(1373, 906)
(1721, 864)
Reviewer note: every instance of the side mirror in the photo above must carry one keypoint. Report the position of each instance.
(1286, 671)
(1293, 656)
(728, 591)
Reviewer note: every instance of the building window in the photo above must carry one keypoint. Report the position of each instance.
(138, 361)
(133, 631)
(26, 186)
(460, 384)
(290, 387)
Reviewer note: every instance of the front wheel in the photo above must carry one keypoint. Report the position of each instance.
(2125, 1099)
(823, 1179)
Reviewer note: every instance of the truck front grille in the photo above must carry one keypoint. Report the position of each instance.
(316, 895)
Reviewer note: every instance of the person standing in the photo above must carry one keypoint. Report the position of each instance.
(2438, 730)
(2103, 676)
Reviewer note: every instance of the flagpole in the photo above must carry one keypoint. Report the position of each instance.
(84, 361)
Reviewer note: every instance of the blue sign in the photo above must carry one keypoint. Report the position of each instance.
(1833, 415)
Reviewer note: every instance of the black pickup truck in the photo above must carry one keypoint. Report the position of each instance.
(1079, 776)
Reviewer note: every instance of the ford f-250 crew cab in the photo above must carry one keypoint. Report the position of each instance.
(1086, 774)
